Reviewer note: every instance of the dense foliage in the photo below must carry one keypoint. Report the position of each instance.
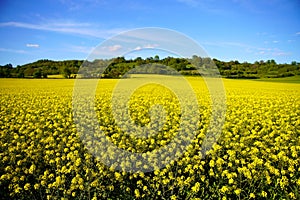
(119, 66)
(41, 69)
(256, 157)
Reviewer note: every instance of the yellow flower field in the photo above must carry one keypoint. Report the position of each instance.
(42, 155)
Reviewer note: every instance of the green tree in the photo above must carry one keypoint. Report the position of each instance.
(37, 74)
(67, 72)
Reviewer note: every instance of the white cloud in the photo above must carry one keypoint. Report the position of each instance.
(114, 48)
(13, 50)
(105, 52)
(67, 27)
(33, 45)
(298, 33)
(151, 46)
(261, 33)
(281, 53)
(250, 49)
(147, 46)
(138, 48)
(226, 44)
(272, 52)
(79, 49)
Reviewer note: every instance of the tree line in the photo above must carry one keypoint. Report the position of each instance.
(41, 69)
(118, 67)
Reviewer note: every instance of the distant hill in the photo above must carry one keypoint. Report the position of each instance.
(119, 66)
(41, 69)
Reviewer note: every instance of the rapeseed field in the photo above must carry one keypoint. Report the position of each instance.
(43, 155)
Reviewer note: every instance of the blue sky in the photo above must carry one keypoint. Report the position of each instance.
(244, 30)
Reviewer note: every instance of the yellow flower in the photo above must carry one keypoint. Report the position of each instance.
(292, 195)
(237, 191)
(211, 172)
(140, 182)
(78, 162)
(36, 186)
(32, 169)
(137, 193)
(111, 187)
(17, 189)
(118, 176)
(211, 163)
(202, 177)
(196, 187)
(298, 182)
(264, 194)
(81, 187)
(27, 186)
(145, 188)
(283, 182)
(58, 180)
(224, 189)
(252, 195)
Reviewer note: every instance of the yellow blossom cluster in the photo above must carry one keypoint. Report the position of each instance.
(43, 156)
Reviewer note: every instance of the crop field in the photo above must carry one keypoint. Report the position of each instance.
(43, 155)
